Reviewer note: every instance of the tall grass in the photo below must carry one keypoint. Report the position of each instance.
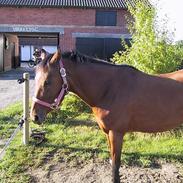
(73, 137)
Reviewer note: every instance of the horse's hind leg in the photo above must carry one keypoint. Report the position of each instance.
(116, 145)
(109, 146)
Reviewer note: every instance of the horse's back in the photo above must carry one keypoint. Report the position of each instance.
(157, 104)
(147, 103)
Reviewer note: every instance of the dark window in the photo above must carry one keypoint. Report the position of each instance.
(102, 48)
(106, 18)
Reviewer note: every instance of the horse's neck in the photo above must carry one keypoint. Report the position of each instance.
(89, 81)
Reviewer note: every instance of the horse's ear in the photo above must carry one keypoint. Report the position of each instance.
(44, 54)
(56, 57)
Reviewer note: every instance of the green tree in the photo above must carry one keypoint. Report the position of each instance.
(152, 50)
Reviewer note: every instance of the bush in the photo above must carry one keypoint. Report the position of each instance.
(73, 104)
(152, 50)
(71, 107)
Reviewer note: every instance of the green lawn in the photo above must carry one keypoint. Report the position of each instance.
(74, 137)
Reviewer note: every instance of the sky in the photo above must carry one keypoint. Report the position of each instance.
(173, 10)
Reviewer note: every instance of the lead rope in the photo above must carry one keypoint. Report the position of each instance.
(20, 124)
(38, 136)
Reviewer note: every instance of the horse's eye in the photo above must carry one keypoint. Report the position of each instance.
(46, 83)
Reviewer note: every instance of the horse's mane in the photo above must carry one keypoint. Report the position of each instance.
(79, 57)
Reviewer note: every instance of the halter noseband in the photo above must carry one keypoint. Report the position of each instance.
(63, 91)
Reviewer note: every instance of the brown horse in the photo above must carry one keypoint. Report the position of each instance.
(123, 99)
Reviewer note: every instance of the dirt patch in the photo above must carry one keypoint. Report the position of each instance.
(101, 173)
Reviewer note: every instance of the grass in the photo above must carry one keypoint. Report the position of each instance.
(73, 137)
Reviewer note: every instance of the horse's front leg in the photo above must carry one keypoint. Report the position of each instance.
(115, 139)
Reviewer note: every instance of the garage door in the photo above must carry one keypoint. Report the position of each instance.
(102, 48)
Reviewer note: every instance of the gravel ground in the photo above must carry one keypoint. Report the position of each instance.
(101, 173)
(10, 90)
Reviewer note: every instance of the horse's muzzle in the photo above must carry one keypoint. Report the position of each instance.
(37, 119)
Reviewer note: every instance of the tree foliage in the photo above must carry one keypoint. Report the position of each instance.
(152, 50)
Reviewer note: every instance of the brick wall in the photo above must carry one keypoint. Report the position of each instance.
(72, 19)
(53, 16)
(67, 41)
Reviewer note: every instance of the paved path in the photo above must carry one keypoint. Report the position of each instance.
(10, 90)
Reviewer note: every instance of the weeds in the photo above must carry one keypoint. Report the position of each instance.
(74, 137)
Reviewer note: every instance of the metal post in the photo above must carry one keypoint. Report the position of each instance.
(26, 77)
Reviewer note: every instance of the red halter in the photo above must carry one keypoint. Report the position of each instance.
(63, 91)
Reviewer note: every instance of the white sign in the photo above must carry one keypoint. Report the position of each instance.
(31, 28)
(25, 29)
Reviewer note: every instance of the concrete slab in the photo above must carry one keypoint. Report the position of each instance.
(10, 90)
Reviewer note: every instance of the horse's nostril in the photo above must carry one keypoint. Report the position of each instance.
(36, 118)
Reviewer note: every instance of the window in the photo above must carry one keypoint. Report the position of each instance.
(106, 18)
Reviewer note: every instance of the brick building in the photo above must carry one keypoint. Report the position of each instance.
(93, 27)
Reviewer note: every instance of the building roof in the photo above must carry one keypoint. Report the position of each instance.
(117, 4)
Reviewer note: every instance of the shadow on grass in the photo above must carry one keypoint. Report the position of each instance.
(74, 123)
(69, 119)
(136, 159)
(130, 159)
(71, 149)
(5, 119)
(9, 119)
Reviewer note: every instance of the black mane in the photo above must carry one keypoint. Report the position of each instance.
(78, 57)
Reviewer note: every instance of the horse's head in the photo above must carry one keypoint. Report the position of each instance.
(48, 85)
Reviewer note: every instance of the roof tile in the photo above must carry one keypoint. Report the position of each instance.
(117, 4)
(66, 3)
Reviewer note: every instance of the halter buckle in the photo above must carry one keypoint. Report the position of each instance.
(65, 87)
(54, 106)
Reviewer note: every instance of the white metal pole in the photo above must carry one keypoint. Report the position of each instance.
(26, 77)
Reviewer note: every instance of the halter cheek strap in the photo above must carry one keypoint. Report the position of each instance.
(63, 91)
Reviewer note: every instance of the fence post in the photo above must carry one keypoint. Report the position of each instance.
(26, 77)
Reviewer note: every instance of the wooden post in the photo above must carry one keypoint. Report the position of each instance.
(26, 77)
